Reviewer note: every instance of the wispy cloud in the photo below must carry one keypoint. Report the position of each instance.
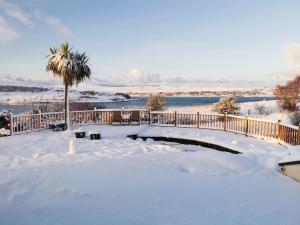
(14, 11)
(54, 23)
(29, 19)
(7, 33)
(58, 26)
(292, 52)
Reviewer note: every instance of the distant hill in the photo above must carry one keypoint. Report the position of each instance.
(12, 88)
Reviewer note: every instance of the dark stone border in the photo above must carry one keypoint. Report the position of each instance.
(186, 142)
(289, 163)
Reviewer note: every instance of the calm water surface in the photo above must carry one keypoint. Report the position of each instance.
(139, 102)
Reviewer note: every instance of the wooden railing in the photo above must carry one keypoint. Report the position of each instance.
(285, 134)
(25, 123)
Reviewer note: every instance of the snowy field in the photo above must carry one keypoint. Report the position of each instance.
(117, 180)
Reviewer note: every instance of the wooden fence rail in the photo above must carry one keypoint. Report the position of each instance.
(285, 134)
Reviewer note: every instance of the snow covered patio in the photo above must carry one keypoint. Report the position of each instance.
(118, 180)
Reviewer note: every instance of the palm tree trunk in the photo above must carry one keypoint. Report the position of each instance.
(67, 110)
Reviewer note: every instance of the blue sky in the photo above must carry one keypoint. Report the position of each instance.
(168, 40)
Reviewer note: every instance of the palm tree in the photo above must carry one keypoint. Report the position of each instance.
(72, 67)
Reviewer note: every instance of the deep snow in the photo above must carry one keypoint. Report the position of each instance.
(117, 180)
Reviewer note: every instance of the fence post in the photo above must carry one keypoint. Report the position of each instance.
(225, 122)
(246, 125)
(40, 120)
(279, 130)
(298, 141)
(140, 116)
(198, 119)
(64, 117)
(175, 115)
(11, 124)
(95, 114)
(149, 112)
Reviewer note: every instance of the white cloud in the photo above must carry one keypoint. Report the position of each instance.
(292, 52)
(135, 75)
(54, 23)
(153, 78)
(15, 12)
(176, 80)
(58, 26)
(7, 33)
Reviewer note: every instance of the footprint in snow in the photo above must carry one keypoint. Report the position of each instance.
(183, 169)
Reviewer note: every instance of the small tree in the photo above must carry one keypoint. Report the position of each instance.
(227, 105)
(156, 102)
(288, 94)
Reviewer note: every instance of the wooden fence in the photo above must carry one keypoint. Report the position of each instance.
(285, 134)
(25, 123)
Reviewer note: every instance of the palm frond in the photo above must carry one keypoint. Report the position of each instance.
(71, 66)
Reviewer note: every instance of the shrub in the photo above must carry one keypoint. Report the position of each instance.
(289, 102)
(227, 105)
(4, 119)
(294, 118)
(288, 94)
(156, 102)
(3, 122)
(261, 109)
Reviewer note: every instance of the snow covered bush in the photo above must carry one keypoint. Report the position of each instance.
(227, 105)
(294, 118)
(4, 132)
(288, 102)
(156, 102)
(4, 119)
(4, 123)
(262, 109)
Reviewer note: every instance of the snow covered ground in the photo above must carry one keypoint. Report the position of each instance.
(117, 180)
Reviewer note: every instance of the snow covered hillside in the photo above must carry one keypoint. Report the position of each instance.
(53, 92)
(117, 180)
(109, 88)
(57, 96)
